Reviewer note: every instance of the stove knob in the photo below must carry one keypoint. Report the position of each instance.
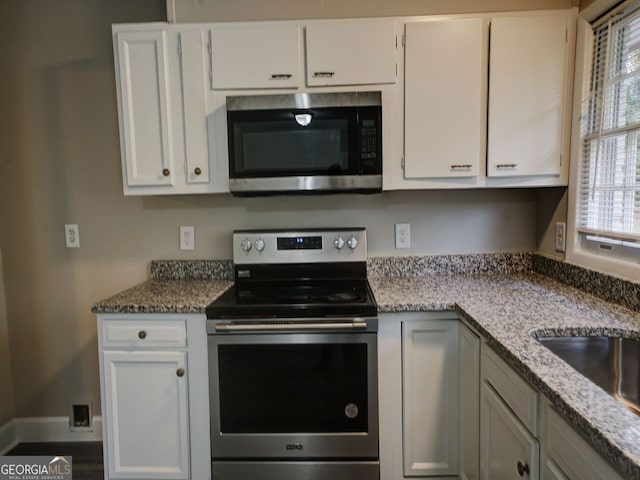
(338, 243)
(245, 245)
(352, 243)
(259, 244)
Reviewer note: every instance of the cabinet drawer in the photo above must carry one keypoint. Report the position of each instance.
(144, 334)
(514, 390)
(576, 459)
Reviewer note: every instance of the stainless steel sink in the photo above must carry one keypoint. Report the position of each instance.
(611, 363)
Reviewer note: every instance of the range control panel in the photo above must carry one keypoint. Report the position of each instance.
(298, 246)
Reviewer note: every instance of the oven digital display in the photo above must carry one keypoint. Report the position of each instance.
(300, 243)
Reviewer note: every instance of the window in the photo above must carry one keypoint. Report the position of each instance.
(608, 216)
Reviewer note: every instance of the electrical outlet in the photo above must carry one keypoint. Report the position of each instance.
(187, 240)
(72, 235)
(403, 235)
(561, 236)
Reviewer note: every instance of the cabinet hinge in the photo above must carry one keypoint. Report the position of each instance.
(404, 40)
(402, 163)
(566, 35)
(180, 46)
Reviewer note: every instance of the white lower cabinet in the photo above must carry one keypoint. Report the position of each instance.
(508, 450)
(430, 397)
(420, 361)
(154, 384)
(568, 456)
(146, 404)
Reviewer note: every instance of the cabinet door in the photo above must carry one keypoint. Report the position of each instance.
(430, 397)
(146, 414)
(351, 53)
(469, 418)
(193, 88)
(528, 69)
(144, 105)
(443, 98)
(509, 451)
(253, 56)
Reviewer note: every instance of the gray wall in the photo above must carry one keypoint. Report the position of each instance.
(60, 163)
(6, 399)
(229, 10)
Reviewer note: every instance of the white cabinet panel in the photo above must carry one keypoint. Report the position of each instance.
(527, 91)
(444, 98)
(194, 84)
(430, 397)
(353, 53)
(142, 78)
(147, 412)
(469, 393)
(255, 56)
(571, 455)
(509, 451)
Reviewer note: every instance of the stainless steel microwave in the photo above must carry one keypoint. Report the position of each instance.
(305, 143)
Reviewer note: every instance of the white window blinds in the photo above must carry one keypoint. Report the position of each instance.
(609, 201)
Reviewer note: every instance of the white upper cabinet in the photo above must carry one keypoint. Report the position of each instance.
(164, 96)
(527, 94)
(443, 98)
(144, 102)
(255, 56)
(194, 85)
(351, 53)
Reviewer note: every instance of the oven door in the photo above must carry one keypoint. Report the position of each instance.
(293, 395)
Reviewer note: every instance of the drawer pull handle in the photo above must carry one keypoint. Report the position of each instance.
(281, 76)
(324, 74)
(464, 166)
(180, 373)
(506, 165)
(166, 172)
(522, 469)
(142, 334)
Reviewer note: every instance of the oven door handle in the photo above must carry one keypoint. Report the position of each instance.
(356, 324)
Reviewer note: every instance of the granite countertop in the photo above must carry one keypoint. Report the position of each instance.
(507, 306)
(165, 296)
(509, 310)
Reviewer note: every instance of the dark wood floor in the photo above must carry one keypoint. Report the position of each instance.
(87, 456)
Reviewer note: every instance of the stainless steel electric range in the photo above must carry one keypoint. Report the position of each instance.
(293, 360)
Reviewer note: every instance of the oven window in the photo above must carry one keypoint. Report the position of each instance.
(272, 143)
(293, 388)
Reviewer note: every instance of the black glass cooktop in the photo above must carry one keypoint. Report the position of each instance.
(304, 299)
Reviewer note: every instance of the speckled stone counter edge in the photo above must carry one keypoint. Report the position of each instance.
(470, 264)
(192, 270)
(606, 287)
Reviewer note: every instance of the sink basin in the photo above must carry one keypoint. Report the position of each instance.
(611, 363)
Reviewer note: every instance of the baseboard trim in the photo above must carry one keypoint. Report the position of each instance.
(8, 437)
(54, 429)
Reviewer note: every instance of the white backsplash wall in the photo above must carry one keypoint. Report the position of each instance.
(442, 222)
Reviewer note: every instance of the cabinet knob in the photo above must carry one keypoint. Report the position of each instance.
(180, 373)
(142, 334)
(522, 469)
(197, 171)
(166, 172)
